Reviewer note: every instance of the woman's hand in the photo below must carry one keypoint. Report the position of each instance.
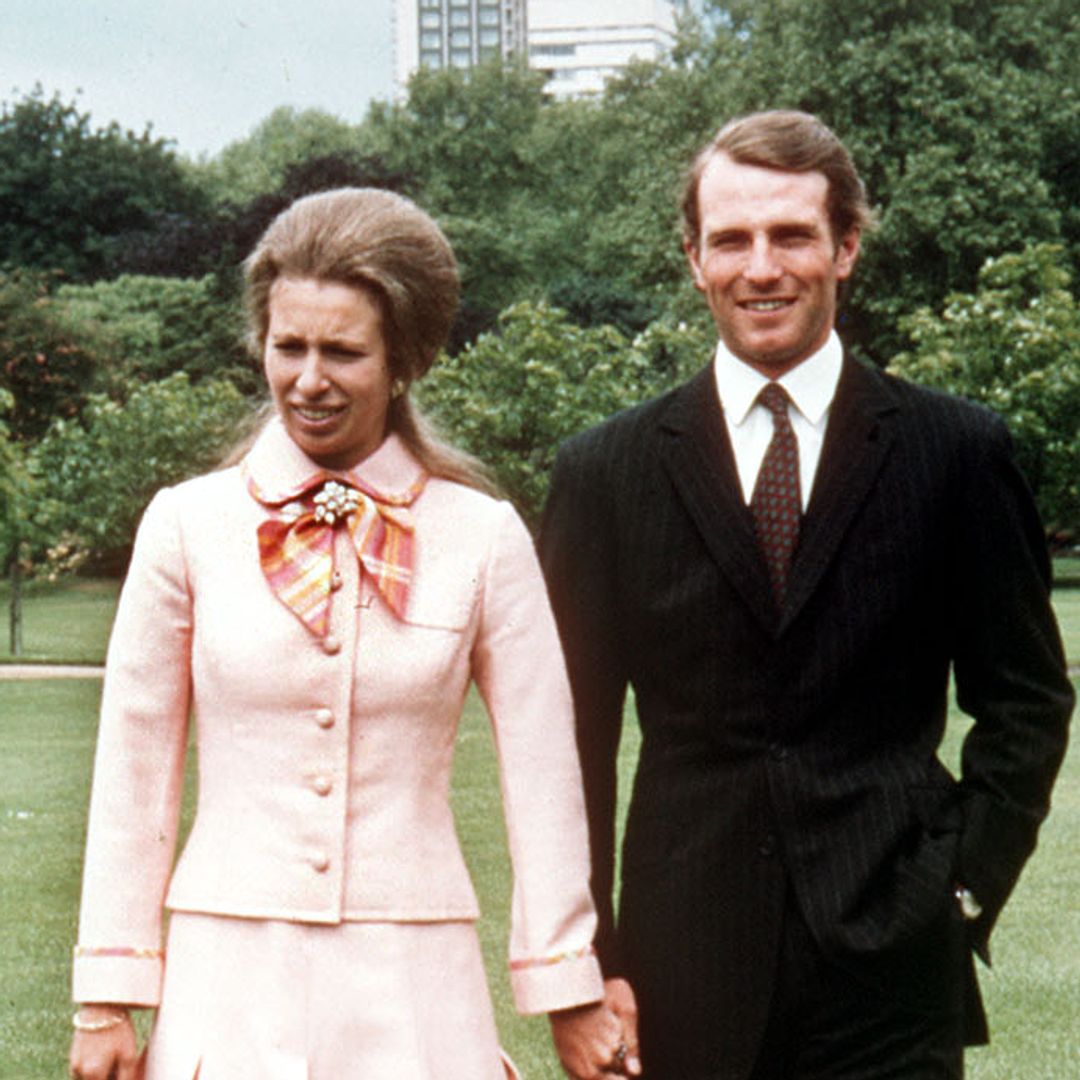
(596, 1042)
(109, 1050)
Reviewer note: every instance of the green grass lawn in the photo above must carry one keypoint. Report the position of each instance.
(64, 623)
(46, 744)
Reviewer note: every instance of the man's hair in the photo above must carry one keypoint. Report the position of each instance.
(787, 141)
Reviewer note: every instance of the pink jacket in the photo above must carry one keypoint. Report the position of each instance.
(324, 764)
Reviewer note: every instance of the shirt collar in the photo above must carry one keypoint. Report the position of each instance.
(811, 384)
(279, 467)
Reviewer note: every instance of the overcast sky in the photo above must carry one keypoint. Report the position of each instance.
(202, 72)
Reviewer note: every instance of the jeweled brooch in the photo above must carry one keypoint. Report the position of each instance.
(335, 502)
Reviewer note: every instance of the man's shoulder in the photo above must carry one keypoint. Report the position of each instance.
(629, 430)
(928, 405)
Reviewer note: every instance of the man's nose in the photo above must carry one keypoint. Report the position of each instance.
(762, 265)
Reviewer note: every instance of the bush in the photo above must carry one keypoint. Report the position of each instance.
(97, 475)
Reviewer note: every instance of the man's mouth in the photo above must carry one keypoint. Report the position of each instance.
(764, 305)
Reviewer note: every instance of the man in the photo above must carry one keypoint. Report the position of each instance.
(786, 584)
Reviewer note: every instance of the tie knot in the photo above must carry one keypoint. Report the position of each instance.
(775, 398)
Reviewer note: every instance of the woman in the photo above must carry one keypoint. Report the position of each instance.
(320, 610)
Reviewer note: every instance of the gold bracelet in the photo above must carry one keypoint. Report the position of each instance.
(79, 1024)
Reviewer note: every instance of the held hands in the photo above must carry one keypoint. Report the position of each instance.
(104, 1046)
(595, 1042)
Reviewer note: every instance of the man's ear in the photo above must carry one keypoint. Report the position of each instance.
(847, 254)
(691, 249)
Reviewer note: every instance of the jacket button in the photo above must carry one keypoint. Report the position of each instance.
(320, 863)
(324, 718)
(322, 785)
(331, 645)
(335, 581)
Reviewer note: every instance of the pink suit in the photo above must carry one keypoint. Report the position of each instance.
(324, 764)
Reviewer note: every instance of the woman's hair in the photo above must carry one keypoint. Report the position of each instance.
(386, 245)
(789, 141)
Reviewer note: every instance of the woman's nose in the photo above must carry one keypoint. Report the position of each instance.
(312, 378)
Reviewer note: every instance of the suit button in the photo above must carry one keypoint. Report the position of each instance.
(331, 645)
(324, 718)
(320, 862)
(768, 845)
(322, 785)
(335, 581)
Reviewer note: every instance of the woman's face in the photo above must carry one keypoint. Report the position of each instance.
(327, 367)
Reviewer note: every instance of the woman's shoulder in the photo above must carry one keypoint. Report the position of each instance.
(452, 497)
(452, 514)
(196, 495)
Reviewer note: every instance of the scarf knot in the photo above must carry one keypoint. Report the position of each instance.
(296, 542)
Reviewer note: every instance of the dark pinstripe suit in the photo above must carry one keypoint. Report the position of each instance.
(796, 750)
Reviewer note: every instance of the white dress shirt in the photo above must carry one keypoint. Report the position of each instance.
(811, 386)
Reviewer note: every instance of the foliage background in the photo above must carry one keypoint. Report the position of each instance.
(119, 256)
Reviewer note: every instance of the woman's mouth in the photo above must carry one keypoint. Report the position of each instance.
(315, 414)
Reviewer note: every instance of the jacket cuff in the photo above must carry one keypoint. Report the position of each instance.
(556, 982)
(121, 976)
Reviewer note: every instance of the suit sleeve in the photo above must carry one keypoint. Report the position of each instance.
(518, 668)
(1010, 674)
(579, 565)
(138, 772)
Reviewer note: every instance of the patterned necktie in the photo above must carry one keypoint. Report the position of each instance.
(775, 503)
(296, 543)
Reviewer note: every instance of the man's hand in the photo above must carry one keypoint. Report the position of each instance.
(595, 1042)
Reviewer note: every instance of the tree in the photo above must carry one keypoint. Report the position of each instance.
(462, 135)
(258, 164)
(46, 371)
(1014, 345)
(140, 329)
(513, 395)
(71, 195)
(96, 476)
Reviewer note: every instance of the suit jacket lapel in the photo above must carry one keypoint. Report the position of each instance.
(857, 440)
(697, 454)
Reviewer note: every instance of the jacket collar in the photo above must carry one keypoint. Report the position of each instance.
(698, 457)
(279, 467)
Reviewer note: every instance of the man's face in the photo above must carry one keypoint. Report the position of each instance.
(767, 262)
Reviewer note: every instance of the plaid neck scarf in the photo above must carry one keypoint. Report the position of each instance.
(296, 542)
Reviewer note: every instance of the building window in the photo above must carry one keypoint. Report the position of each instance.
(461, 39)
(489, 37)
(460, 59)
(430, 19)
(431, 59)
(489, 16)
(552, 50)
(430, 39)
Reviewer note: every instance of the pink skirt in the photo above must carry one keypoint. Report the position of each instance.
(252, 999)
